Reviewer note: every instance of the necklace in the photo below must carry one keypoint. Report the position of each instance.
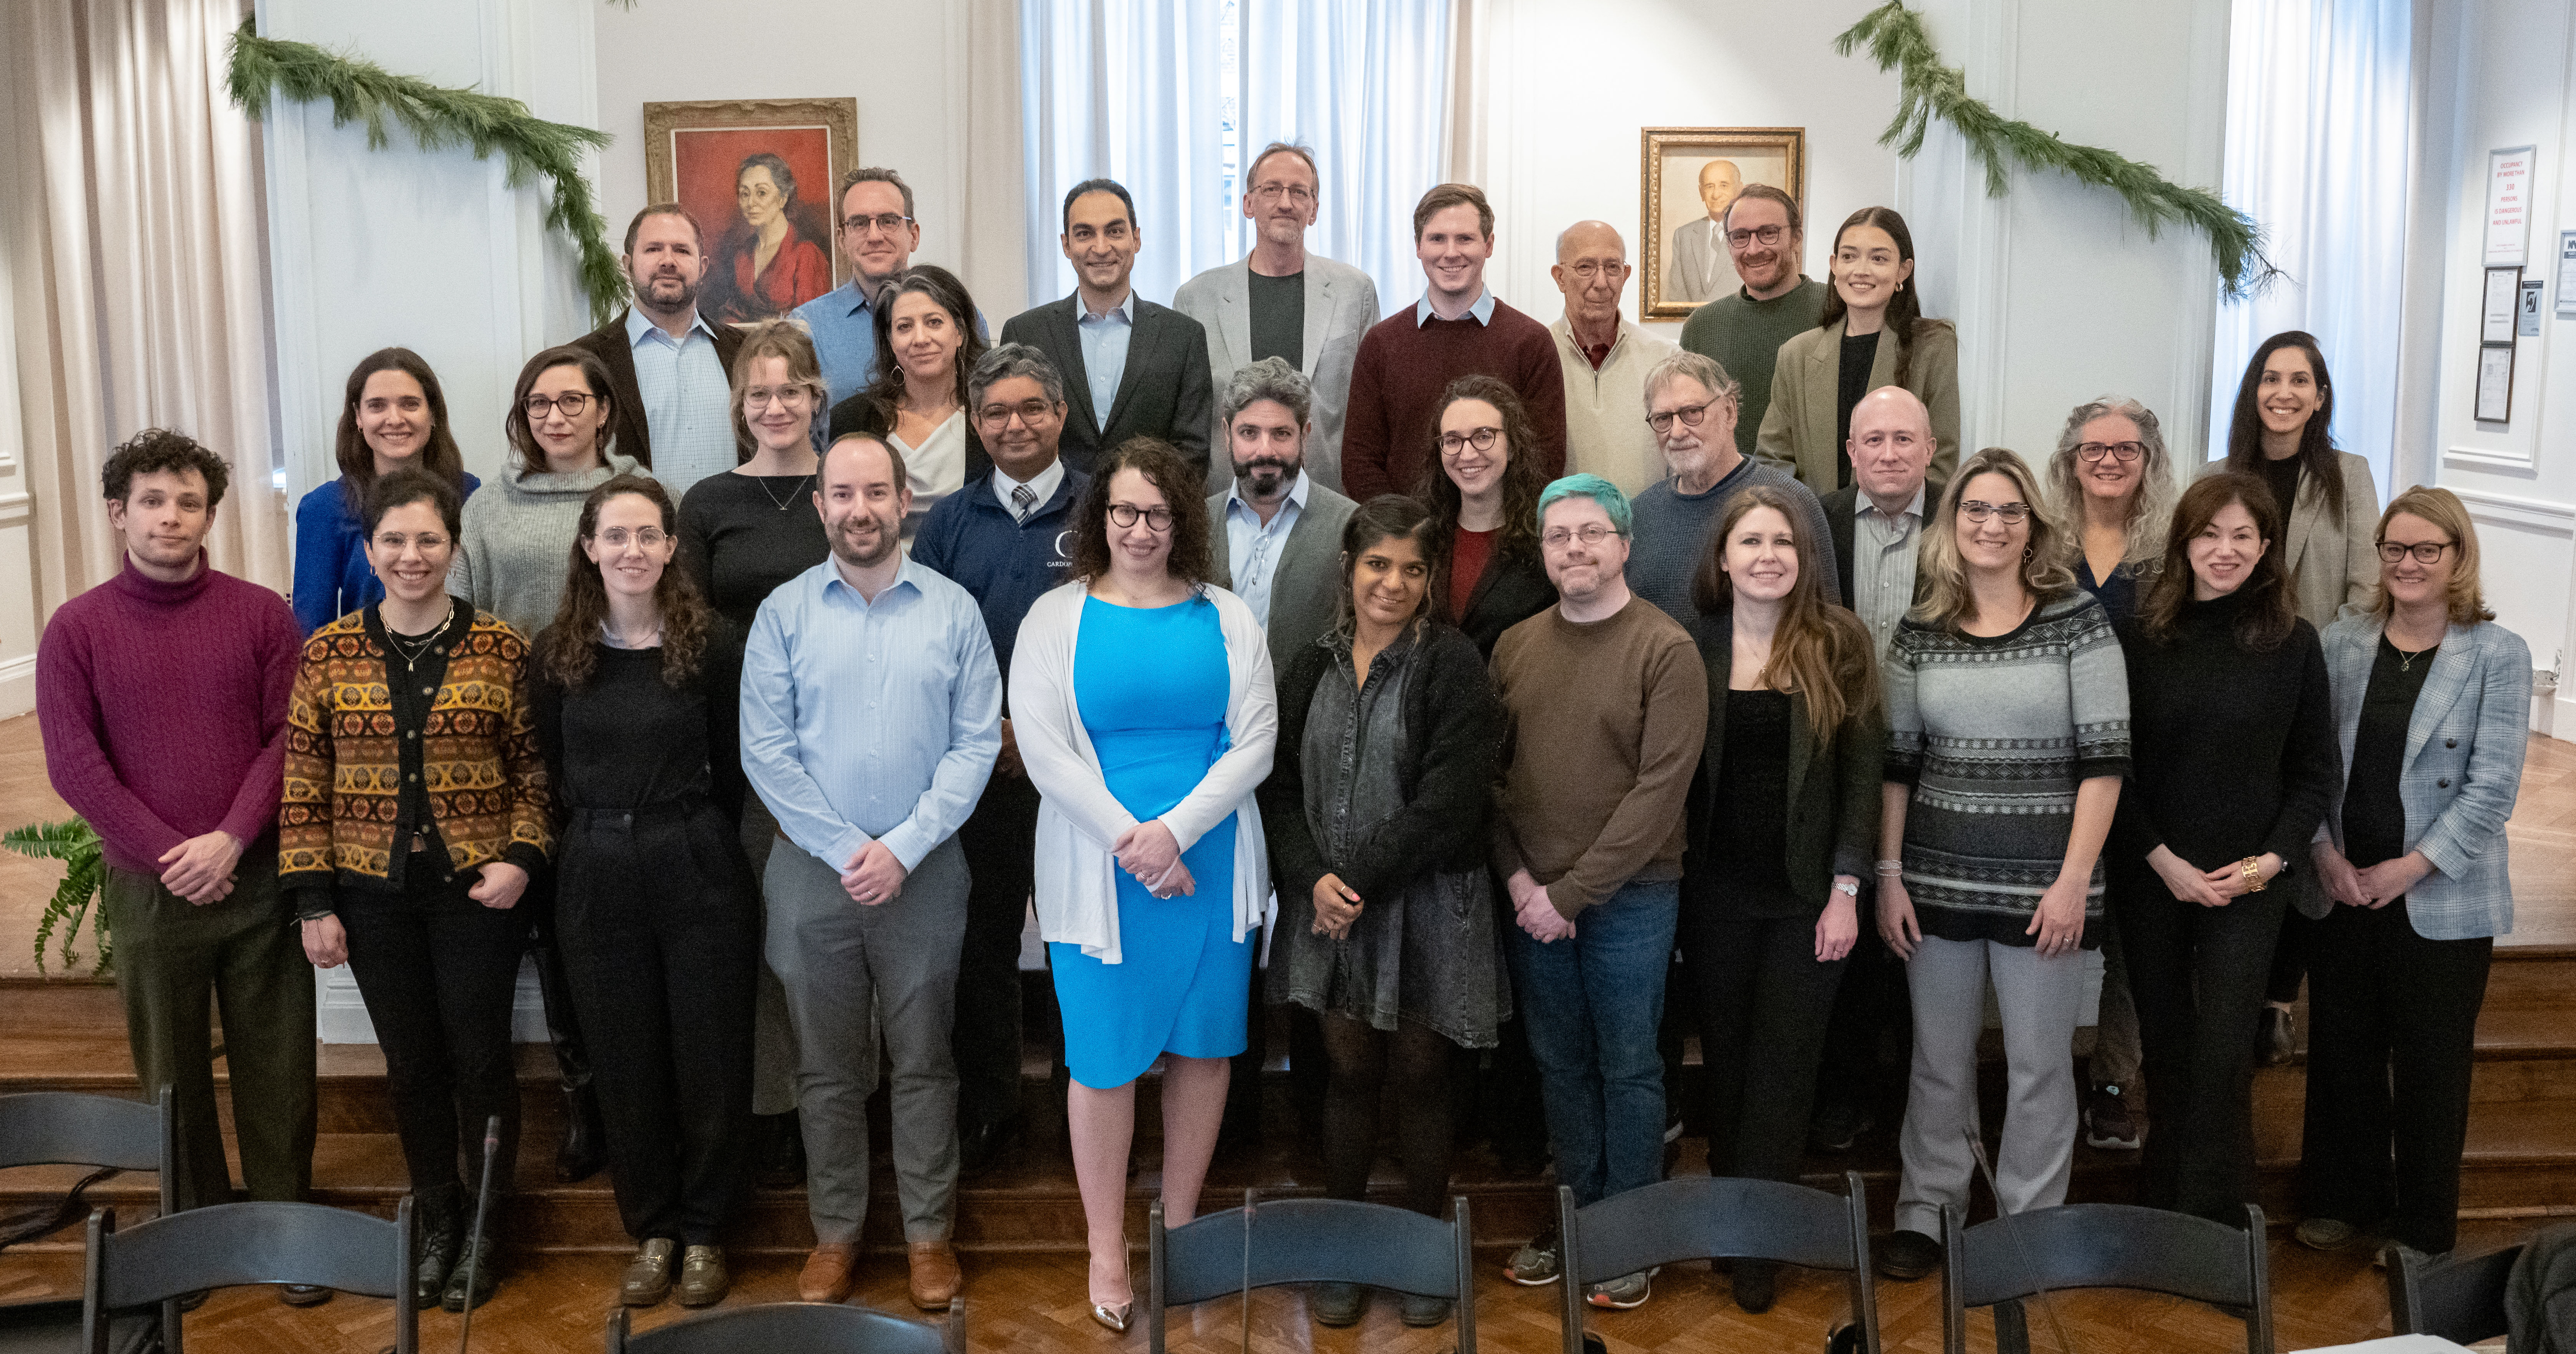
(412, 650)
(775, 501)
(2406, 661)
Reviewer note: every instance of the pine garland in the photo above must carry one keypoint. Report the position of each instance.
(1897, 41)
(361, 90)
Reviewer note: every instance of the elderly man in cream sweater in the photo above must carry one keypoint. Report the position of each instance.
(1605, 358)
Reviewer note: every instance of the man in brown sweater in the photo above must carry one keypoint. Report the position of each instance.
(1608, 703)
(1457, 329)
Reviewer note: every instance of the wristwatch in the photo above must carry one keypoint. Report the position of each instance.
(1847, 888)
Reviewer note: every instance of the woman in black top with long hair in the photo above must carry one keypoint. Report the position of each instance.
(637, 684)
(2232, 762)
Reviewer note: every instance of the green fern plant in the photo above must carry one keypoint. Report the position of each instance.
(76, 898)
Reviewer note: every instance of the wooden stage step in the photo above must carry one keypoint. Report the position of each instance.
(2520, 1161)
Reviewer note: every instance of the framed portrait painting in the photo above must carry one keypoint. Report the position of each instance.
(758, 174)
(1688, 176)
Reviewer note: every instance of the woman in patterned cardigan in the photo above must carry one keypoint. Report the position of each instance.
(415, 809)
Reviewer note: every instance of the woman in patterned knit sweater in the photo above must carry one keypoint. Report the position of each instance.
(2008, 732)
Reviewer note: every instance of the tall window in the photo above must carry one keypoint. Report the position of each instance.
(1171, 97)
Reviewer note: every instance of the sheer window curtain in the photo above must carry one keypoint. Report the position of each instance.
(138, 260)
(2318, 108)
(1135, 90)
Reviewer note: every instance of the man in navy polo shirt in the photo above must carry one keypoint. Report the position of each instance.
(1006, 538)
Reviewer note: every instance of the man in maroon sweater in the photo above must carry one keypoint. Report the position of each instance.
(162, 696)
(1457, 329)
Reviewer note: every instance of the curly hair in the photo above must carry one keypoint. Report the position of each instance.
(1523, 482)
(154, 450)
(568, 648)
(881, 403)
(2150, 508)
(1180, 485)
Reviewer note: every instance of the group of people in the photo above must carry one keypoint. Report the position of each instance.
(787, 665)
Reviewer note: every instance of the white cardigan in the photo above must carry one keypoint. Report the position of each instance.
(1078, 819)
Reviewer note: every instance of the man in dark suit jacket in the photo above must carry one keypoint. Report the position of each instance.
(664, 263)
(1131, 368)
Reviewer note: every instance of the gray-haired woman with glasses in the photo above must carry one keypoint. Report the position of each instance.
(2112, 485)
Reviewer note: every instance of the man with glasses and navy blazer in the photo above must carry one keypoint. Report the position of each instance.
(1131, 368)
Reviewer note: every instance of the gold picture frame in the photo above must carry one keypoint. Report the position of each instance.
(697, 153)
(1685, 264)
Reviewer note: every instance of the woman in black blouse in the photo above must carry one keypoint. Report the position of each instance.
(741, 535)
(1375, 814)
(2232, 762)
(636, 689)
(1781, 824)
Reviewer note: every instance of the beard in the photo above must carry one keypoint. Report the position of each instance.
(864, 551)
(666, 290)
(1267, 476)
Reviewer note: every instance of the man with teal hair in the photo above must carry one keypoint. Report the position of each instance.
(1608, 703)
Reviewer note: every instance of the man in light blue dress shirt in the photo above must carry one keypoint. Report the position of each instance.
(871, 718)
(878, 236)
(688, 399)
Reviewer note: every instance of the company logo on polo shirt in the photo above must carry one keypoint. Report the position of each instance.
(1063, 551)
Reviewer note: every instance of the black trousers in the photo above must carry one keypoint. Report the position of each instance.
(2392, 1025)
(2290, 957)
(1870, 1001)
(1763, 1004)
(2197, 975)
(660, 939)
(999, 839)
(437, 971)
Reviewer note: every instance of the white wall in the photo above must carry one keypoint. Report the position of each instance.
(17, 519)
(2510, 80)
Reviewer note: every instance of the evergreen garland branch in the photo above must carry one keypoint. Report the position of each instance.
(1895, 39)
(530, 147)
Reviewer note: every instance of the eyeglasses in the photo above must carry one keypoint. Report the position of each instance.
(889, 222)
(615, 538)
(998, 416)
(1690, 415)
(2425, 552)
(1588, 269)
(2122, 452)
(2013, 514)
(1482, 439)
(1590, 533)
(1126, 515)
(1297, 194)
(570, 402)
(392, 542)
(761, 397)
(1766, 234)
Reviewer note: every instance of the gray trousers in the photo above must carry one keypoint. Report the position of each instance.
(2040, 999)
(859, 978)
(773, 1042)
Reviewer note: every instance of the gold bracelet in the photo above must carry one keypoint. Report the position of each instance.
(2253, 867)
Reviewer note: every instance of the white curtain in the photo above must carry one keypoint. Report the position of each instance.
(139, 271)
(1148, 93)
(2317, 124)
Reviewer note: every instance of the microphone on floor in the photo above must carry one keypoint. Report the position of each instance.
(474, 1257)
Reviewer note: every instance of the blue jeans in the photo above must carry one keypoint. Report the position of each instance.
(1592, 1004)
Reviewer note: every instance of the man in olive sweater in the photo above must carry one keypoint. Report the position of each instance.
(1743, 330)
(1608, 703)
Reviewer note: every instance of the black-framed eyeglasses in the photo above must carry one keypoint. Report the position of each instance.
(889, 222)
(1766, 234)
(1689, 414)
(1978, 510)
(2122, 452)
(2425, 552)
(1156, 519)
(571, 402)
(1482, 439)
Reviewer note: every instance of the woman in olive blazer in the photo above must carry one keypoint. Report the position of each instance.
(1873, 289)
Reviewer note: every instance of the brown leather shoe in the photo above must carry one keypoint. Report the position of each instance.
(935, 1276)
(827, 1273)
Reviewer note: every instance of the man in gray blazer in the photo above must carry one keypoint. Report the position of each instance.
(1278, 545)
(1702, 268)
(1131, 368)
(1280, 301)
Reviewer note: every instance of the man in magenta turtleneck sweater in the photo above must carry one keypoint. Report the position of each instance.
(162, 696)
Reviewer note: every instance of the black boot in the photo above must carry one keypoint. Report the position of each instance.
(585, 1144)
(482, 1249)
(778, 1150)
(440, 1216)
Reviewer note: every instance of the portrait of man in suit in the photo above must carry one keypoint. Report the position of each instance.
(1701, 270)
(1691, 175)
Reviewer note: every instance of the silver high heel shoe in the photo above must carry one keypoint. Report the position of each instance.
(1118, 1318)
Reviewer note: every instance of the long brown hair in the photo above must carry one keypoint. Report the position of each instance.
(570, 652)
(1905, 309)
(531, 458)
(1179, 485)
(2270, 613)
(1523, 482)
(438, 456)
(2317, 455)
(1820, 650)
(883, 398)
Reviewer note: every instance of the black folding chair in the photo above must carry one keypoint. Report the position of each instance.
(230, 1245)
(2460, 1300)
(1310, 1241)
(794, 1328)
(62, 1128)
(1699, 1217)
(1999, 1263)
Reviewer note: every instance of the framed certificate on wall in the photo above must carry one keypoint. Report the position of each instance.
(2495, 383)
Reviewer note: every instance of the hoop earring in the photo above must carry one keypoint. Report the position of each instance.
(2025, 554)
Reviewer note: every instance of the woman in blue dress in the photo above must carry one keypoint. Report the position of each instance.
(394, 414)
(1142, 706)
